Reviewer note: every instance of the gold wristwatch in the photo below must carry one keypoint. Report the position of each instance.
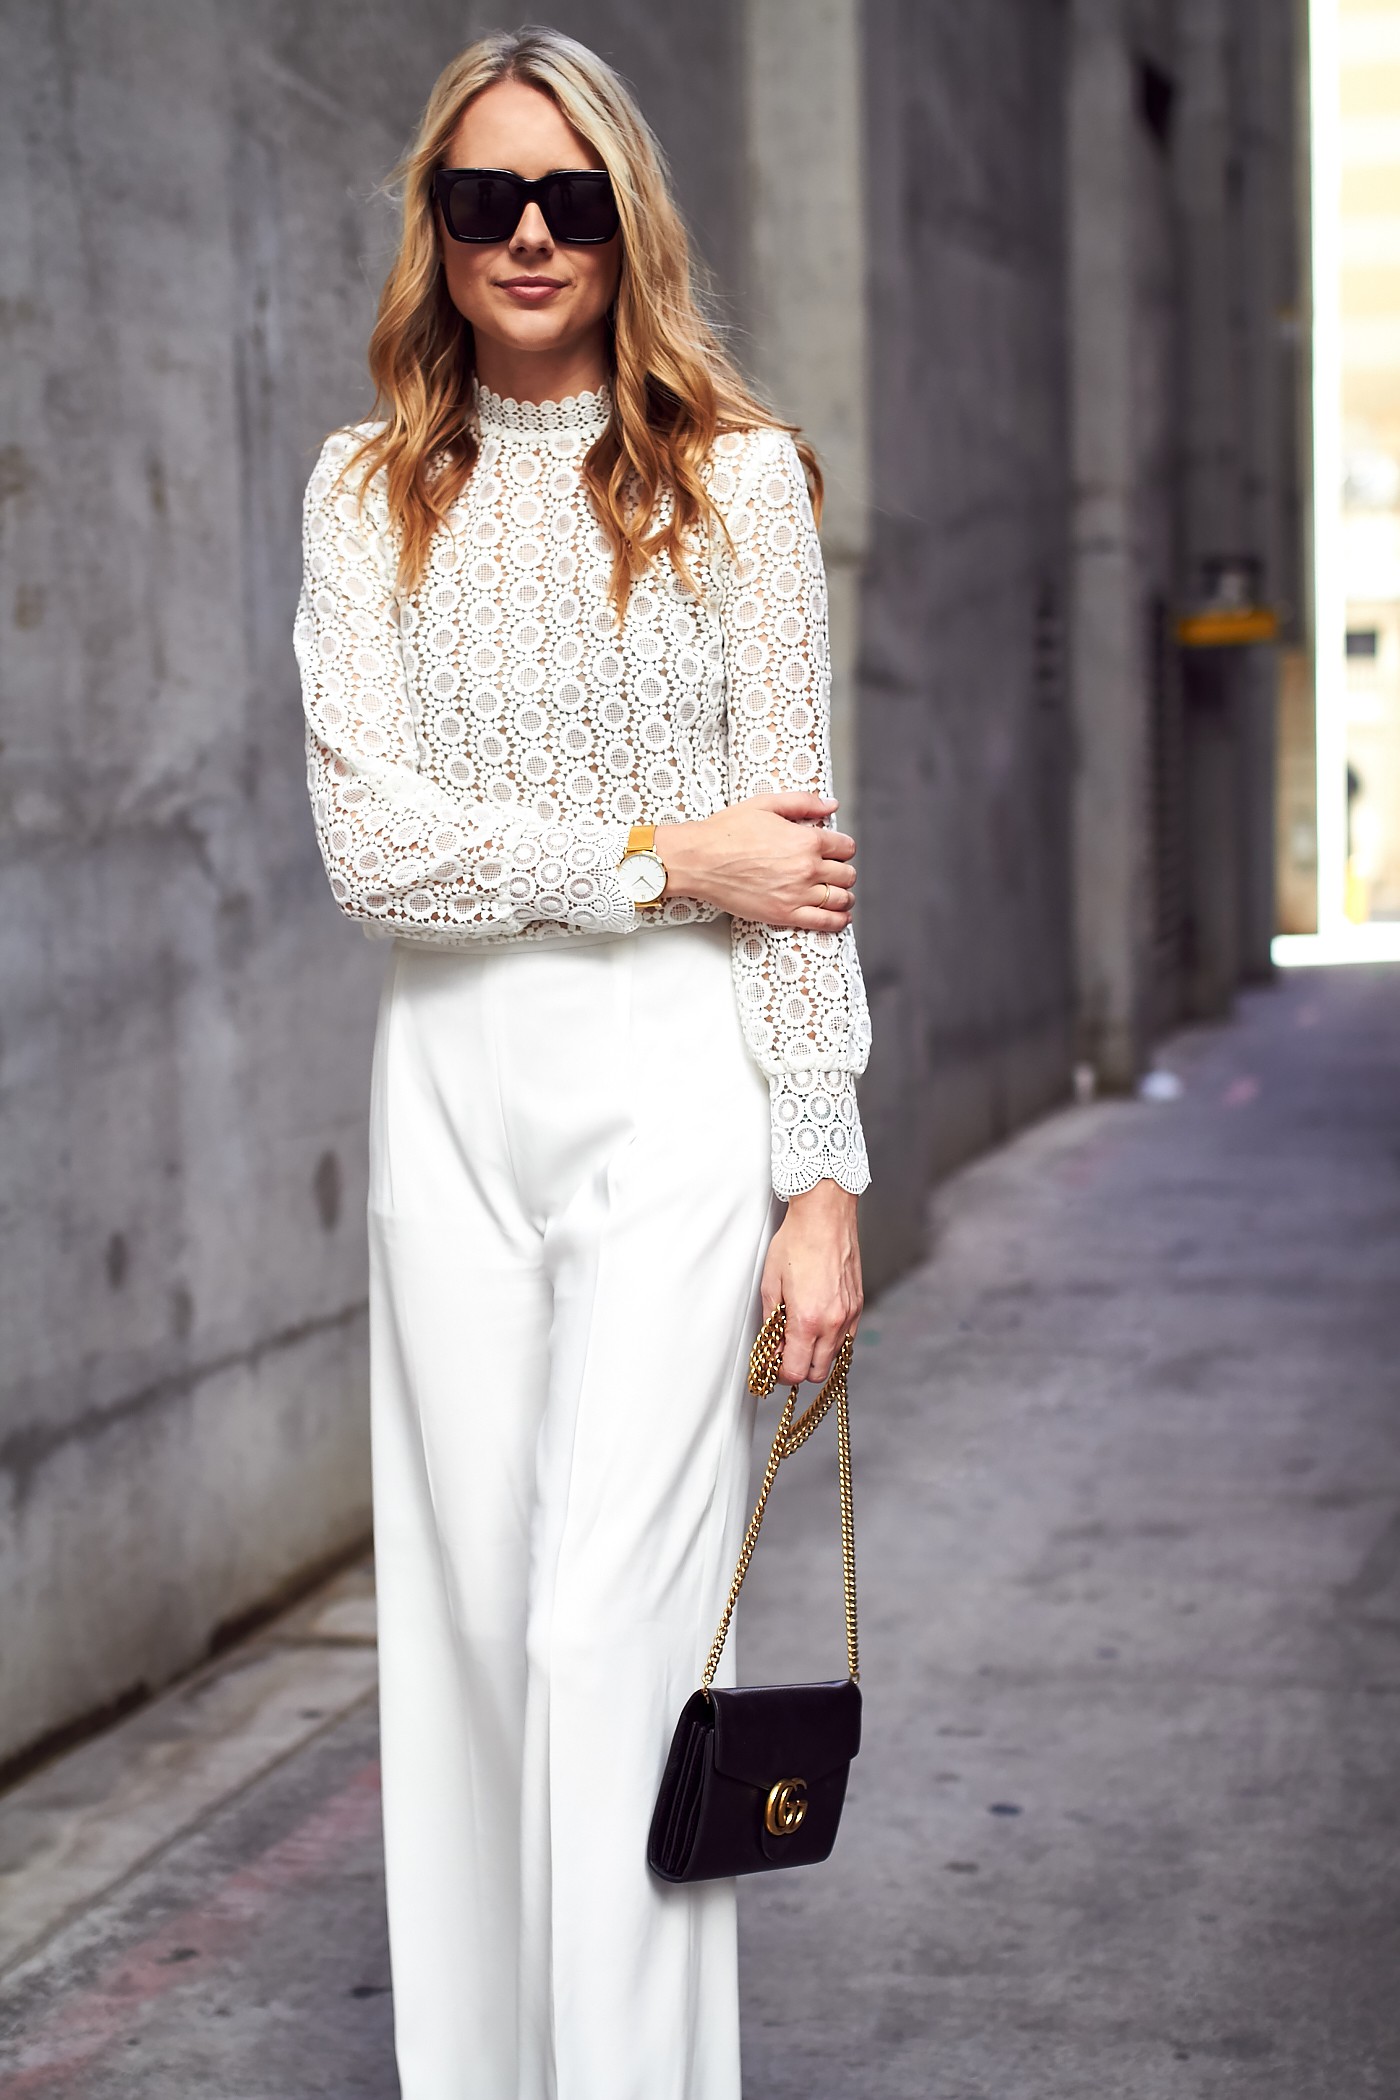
(641, 870)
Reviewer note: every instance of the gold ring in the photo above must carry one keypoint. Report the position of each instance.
(826, 896)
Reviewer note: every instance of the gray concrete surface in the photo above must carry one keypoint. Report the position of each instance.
(1128, 1471)
(1187, 400)
(1127, 1816)
(805, 296)
(86, 1822)
(964, 697)
(249, 1963)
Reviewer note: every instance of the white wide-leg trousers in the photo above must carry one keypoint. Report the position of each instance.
(569, 1210)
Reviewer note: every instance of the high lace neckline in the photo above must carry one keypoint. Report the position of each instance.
(583, 415)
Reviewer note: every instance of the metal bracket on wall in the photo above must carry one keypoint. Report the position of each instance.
(1227, 627)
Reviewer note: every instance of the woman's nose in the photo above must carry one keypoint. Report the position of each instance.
(532, 231)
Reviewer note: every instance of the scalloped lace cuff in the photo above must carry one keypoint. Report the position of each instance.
(816, 1132)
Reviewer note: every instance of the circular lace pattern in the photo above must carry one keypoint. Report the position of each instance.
(479, 747)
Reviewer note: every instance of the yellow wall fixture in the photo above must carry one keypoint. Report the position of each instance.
(1227, 627)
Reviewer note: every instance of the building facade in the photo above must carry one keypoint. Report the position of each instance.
(1368, 262)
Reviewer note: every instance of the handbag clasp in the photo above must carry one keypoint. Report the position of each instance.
(786, 1807)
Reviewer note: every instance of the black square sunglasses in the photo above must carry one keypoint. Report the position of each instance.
(487, 204)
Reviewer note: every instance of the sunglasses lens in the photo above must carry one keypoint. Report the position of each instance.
(481, 208)
(581, 208)
(481, 205)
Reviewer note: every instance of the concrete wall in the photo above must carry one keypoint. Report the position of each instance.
(804, 296)
(964, 724)
(189, 257)
(1184, 276)
(1113, 199)
(1240, 481)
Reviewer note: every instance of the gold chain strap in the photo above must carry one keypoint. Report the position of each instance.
(763, 1376)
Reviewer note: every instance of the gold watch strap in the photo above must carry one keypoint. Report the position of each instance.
(641, 839)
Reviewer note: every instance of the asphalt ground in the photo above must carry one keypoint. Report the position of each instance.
(1126, 1820)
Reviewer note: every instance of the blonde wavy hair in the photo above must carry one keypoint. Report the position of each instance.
(673, 387)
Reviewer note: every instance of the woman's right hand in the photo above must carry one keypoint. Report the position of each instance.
(765, 859)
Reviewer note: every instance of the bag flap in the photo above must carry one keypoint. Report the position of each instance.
(764, 1733)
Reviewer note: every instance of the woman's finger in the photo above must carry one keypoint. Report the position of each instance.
(824, 1352)
(840, 874)
(816, 1361)
(810, 918)
(824, 918)
(798, 1343)
(798, 805)
(810, 1347)
(848, 1325)
(796, 1368)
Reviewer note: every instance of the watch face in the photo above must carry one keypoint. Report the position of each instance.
(643, 877)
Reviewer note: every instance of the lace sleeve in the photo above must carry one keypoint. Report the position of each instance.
(404, 856)
(801, 997)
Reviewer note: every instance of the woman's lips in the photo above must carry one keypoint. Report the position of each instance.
(531, 291)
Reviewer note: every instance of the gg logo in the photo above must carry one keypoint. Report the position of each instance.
(787, 1806)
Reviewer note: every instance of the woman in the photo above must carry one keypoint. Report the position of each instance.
(568, 589)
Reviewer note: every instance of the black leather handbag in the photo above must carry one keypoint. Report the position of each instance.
(756, 1777)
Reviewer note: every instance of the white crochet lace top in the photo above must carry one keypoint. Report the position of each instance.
(479, 747)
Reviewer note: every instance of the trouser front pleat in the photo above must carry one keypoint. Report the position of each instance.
(569, 1209)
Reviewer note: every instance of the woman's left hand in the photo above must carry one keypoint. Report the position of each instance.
(813, 1268)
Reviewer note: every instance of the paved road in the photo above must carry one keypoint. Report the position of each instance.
(1129, 1464)
(1127, 1819)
